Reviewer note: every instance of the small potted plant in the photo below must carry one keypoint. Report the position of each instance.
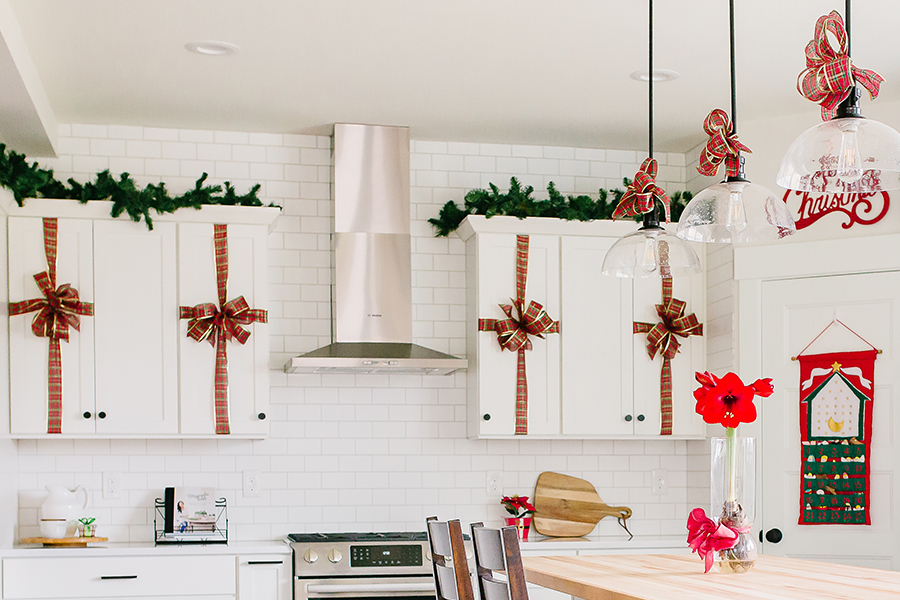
(520, 509)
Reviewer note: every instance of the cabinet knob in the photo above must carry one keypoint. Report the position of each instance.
(486, 417)
(101, 414)
(262, 416)
(87, 414)
(641, 417)
(774, 536)
(628, 418)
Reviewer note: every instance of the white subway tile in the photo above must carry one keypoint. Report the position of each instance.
(143, 149)
(266, 139)
(125, 132)
(160, 134)
(231, 137)
(104, 147)
(299, 141)
(431, 147)
(276, 154)
(89, 131)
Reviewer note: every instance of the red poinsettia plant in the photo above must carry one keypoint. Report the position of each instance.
(517, 506)
(728, 402)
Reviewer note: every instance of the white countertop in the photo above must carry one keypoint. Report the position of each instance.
(148, 549)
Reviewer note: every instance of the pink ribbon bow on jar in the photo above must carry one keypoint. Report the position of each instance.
(706, 537)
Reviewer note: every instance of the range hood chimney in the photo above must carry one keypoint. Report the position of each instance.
(372, 293)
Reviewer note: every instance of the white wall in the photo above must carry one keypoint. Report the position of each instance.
(353, 452)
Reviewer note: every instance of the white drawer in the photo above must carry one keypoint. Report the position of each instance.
(119, 576)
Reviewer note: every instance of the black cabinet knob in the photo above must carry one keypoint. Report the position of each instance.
(101, 414)
(87, 414)
(641, 417)
(628, 418)
(774, 536)
(262, 416)
(486, 417)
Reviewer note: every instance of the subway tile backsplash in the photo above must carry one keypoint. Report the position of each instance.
(357, 452)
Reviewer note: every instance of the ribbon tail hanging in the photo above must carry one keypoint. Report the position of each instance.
(54, 387)
(221, 384)
(521, 394)
(665, 397)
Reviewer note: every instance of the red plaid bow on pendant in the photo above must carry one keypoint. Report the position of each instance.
(661, 339)
(219, 324)
(722, 145)
(58, 310)
(512, 333)
(640, 196)
(830, 75)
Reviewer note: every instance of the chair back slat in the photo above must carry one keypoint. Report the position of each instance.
(452, 579)
(494, 590)
(490, 548)
(498, 550)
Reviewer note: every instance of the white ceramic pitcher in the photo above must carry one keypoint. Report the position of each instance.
(63, 503)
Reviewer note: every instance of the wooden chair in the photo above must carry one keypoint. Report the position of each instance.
(498, 550)
(452, 580)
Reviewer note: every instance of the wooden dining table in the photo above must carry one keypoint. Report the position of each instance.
(681, 577)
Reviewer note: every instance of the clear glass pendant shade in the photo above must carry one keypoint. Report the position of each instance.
(849, 154)
(643, 254)
(735, 212)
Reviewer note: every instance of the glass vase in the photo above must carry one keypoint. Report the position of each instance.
(733, 498)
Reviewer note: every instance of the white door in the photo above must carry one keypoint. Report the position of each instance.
(793, 313)
(28, 354)
(497, 368)
(597, 387)
(691, 357)
(135, 324)
(248, 372)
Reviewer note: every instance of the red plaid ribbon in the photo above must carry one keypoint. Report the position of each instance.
(512, 333)
(58, 310)
(640, 196)
(661, 339)
(722, 145)
(219, 324)
(830, 75)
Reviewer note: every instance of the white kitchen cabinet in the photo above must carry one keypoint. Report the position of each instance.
(264, 577)
(131, 370)
(248, 371)
(594, 379)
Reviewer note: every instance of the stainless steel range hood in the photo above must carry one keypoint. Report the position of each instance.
(372, 292)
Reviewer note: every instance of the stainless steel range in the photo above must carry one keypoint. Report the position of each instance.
(360, 566)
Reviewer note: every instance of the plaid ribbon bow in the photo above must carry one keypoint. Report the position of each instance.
(641, 193)
(830, 75)
(219, 324)
(661, 338)
(58, 310)
(722, 145)
(512, 333)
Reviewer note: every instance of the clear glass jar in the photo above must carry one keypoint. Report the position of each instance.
(733, 499)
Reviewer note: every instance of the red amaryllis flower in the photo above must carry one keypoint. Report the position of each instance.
(727, 400)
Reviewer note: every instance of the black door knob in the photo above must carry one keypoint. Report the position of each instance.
(101, 414)
(641, 417)
(262, 416)
(628, 418)
(87, 414)
(486, 417)
(774, 536)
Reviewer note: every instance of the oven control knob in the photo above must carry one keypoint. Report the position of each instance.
(310, 556)
(335, 556)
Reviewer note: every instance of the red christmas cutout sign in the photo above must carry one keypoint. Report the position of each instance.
(836, 396)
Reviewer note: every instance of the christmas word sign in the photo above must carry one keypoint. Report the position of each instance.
(836, 395)
(865, 209)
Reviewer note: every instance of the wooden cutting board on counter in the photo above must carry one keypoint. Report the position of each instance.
(567, 506)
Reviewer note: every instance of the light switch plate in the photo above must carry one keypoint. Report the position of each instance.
(659, 481)
(111, 484)
(494, 484)
(251, 484)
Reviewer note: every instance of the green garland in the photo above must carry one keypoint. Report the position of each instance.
(30, 181)
(517, 202)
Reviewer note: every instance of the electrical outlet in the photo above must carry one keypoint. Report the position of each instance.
(251, 484)
(494, 483)
(111, 489)
(658, 481)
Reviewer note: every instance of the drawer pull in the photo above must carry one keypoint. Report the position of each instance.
(265, 562)
(118, 577)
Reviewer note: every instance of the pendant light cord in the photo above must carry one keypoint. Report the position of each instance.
(651, 217)
(847, 24)
(733, 85)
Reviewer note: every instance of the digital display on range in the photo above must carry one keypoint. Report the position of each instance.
(386, 556)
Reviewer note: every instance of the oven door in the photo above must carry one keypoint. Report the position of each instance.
(419, 587)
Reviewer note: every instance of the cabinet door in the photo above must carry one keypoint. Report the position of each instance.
(264, 578)
(248, 370)
(596, 342)
(690, 358)
(28, 354)
(135, 324)
(496, 369)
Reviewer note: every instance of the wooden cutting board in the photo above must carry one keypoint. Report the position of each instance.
(567, 506)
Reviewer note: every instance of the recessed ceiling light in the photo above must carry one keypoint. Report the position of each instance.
(212, 48)
(658, 75)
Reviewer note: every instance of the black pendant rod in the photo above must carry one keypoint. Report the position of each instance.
(733, 85)
(847, 23)
(651, 217)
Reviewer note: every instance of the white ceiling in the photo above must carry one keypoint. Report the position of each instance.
(552, 72)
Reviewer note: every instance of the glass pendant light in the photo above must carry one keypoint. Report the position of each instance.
(735, 210)
(650, 251)
(849, 153)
